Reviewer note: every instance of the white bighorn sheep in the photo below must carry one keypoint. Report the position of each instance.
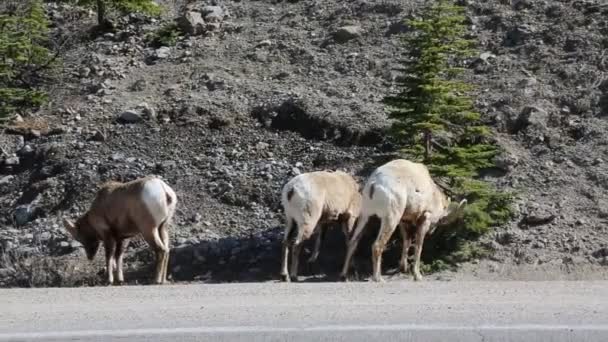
(310, 201)
(122, 210)
(401, 192)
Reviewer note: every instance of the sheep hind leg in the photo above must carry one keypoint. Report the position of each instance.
(287, 240)
(422, 228)
(164, 235)
(153, 239)
(304, 231)
(296, 248)
(388, 226)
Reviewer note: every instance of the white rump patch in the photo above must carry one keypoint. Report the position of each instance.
(154, 197)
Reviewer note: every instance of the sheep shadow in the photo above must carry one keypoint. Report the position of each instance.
(257, 258)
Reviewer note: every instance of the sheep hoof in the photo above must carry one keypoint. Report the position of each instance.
(343, 278)
(417, 277)
(294, 279)
(379, 279)
(404, 269)
(285, 278)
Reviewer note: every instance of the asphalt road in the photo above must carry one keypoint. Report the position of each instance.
(395, 311)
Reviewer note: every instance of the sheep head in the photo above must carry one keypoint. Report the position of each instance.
(82, 232)
(452, 212)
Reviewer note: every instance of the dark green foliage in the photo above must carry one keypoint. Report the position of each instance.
(123, 6)
(24, 56)
(437, 124)
(166, 35)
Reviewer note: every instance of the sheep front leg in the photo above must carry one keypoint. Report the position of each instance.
(347, 227)
(110, 248)
(118, 256)
(422, 227)
(406, 247)
(315, 253)
(352, 245)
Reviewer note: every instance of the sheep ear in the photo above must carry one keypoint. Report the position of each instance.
(70, 227)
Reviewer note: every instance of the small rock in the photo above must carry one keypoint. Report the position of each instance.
(539, 217)
(506, 161)
(84, 72)
(213, 14)
(196, 218)
(26, 150)
(138, 85)
(117, 157)
(521, 4)
(600, 253)
(192, 23)
(212, 27)
(23, 214)
(487, 56)
(531, 117)
(346, 33)
(147, 110)
(162, 52)
(44, 236)
(507, 237)
(264, 43)
(262, 145)
(12, 161)
(130, 116)
(6, 179)
(17, 119)
(98, 136)
(7, 272)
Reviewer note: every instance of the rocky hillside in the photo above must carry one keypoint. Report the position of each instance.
(263, 90)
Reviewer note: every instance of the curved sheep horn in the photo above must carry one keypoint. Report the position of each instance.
(70, 227)
(460, 209)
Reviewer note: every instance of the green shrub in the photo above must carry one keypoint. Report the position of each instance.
(166, 35)
(437, 124)
(24, 56)
(123, 6)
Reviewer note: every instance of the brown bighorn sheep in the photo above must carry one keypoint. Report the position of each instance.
(401, 192)
(121, 211)
(311, 200)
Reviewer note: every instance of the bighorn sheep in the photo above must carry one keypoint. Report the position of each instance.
(401, 192)
(311, 200)
(121, 211)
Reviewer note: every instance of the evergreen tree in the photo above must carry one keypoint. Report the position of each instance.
(436, 122)
(23, 55)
